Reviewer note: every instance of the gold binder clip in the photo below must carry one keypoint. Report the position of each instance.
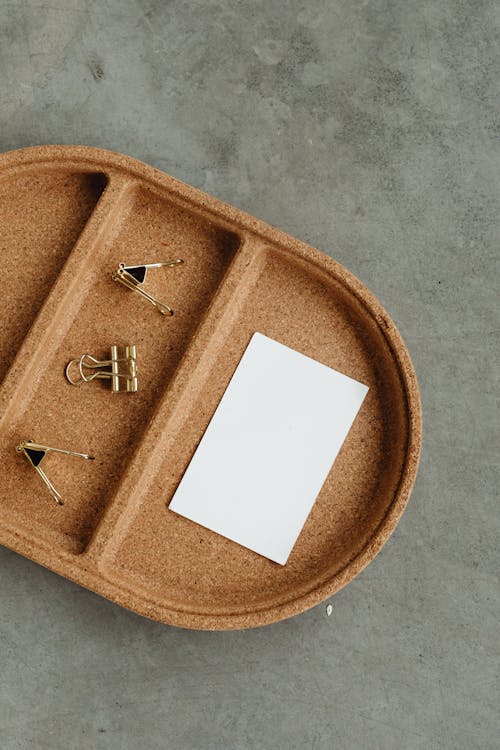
(123, 372)
(35, 453)
(133, 277)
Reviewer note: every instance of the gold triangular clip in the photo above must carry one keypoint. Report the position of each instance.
(35, 453)
(133, 277)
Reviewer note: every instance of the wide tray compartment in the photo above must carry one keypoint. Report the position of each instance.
(68, 216)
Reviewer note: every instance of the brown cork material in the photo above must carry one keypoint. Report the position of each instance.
(68, 216)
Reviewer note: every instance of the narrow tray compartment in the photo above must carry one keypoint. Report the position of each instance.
(53, 206)
(90, 418)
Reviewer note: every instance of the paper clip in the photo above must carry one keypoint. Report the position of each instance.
(123, 372)
(133, 277)
(35, 453)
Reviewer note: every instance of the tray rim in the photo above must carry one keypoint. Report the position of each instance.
(89, 158)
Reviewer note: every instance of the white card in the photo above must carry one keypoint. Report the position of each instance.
(268, 448)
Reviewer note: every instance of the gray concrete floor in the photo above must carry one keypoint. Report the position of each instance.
(368, 130)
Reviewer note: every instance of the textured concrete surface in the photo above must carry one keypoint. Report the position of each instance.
(367, 129)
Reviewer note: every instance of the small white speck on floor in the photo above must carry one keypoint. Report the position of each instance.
(329, 610)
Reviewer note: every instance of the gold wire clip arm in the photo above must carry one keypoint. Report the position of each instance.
(133, 277)
(35, 453)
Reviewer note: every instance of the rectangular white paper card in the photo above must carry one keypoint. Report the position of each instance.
(268, 448)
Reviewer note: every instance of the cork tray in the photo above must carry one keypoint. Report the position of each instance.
(68, 216)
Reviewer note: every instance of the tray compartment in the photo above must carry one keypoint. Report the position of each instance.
(90, 418)
(55, 205)
(186, 566)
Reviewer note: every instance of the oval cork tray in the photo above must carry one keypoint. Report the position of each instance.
(68, 216)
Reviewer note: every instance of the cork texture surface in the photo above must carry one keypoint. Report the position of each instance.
(68, 217)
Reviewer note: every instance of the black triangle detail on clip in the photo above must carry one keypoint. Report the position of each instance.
(138, 272)
(35, 456)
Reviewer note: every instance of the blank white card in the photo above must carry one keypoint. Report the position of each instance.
(268, 448)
